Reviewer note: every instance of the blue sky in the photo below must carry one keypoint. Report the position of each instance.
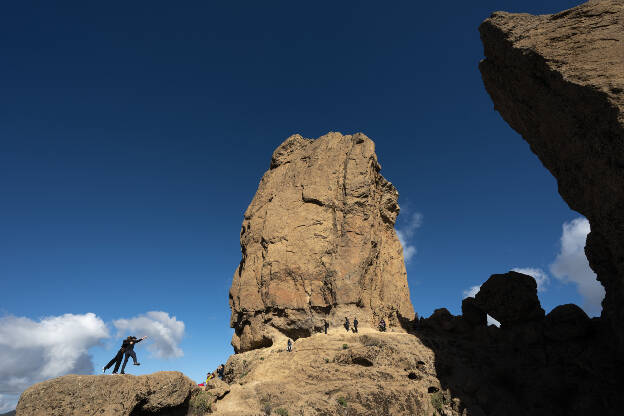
(133, 137)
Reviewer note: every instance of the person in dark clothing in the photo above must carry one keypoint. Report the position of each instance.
(116, 359)
(382, 325)
(325, 325)
(129, 352)
(355, 324)
(289, 346)
(220, 371)
(346, 324)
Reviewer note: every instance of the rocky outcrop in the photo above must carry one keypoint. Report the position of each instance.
(165, 393)
(318, 242)
(364, 374)
(559, 364)
(510, 298)
(559, 81)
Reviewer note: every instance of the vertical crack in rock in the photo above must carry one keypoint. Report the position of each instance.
(318, 242)
(559, 81)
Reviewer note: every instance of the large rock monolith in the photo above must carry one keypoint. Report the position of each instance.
(318, 242)
(559, 81)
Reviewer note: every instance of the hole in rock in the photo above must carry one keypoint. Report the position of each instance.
(362, 361)
(432, 389)
(412, 376)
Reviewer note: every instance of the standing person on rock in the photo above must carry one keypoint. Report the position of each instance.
(325, 325)
(355, 324)
(289, 346)
(382, 325)
(129, 352)
(346, 324)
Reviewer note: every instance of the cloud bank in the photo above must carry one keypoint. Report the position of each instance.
(164, 331)
(406, 233)
(571, 265)
(33, 351)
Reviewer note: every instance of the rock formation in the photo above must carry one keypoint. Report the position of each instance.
(158, 394)
(510, 298)
(558, 364)
(559, 81)
(365, 374)
(318, 242)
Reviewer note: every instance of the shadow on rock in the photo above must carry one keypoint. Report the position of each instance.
(563, 363)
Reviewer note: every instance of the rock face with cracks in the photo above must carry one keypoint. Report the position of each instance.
(559, 81)
(318, 243)
(165, 393)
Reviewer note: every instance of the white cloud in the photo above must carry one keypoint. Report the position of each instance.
(164, 331)
(571, 265)
(471, 292)
(540, 276)
(32, 351)
(406, 232)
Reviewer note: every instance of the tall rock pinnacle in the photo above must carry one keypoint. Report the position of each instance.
(318, 242)
(559, 81)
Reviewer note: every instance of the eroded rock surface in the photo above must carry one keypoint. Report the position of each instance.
(165, 393)
(318, 242)
(559, 81)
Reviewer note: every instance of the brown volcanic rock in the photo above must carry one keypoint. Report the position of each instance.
(318, 242)
(559, 81)
(165, 393)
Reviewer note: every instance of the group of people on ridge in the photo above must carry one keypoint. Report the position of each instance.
(127, 351)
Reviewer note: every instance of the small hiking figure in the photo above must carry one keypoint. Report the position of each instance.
(325, 325)
(220, 371)
(129, 351)
(210, 376)
(346, 324)
(289, 346)
(116, 359)
(355, 324)
(382, 325)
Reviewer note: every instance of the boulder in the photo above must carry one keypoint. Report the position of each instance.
(318, 242)
(472, 314)
(440, 319)
(566, 322)
(510, 298)
(165, 393)
(558, 80)
(217, 387)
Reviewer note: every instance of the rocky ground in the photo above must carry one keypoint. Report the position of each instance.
(369, 373)
(562, 363)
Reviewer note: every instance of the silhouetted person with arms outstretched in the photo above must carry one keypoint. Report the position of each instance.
(129, 352)
(355, 324)
(346, 324)
(117, 359)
